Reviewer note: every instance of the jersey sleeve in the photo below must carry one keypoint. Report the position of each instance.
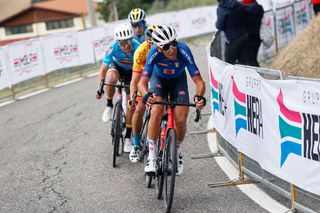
(108, 56)
(148, 69)
(189, 60)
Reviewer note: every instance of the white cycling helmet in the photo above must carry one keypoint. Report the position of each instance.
(123, 32)
(163, 34)
(136, 15)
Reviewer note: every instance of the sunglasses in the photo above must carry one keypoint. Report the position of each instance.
(123, 43)
(139, 24)
(173, 44)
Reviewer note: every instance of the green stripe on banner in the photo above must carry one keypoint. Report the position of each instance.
(288, 130)
(239, 109)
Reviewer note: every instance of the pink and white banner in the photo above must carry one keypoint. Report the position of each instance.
(274, 122)
(67, 50)
(4, 70)
(25, 60)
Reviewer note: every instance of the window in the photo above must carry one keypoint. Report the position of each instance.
(52, 25)
(19, 29)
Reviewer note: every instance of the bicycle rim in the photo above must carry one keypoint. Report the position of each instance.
(116, 131)
(143, 140)
(170, 168)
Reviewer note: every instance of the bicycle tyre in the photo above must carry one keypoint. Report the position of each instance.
(116, 132)
(143, 140)
(159, 176)
(170, 160)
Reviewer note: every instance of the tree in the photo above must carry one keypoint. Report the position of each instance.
(123, 7)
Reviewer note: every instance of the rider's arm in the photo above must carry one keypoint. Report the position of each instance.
(200, 85)
(102, 72)
(134, 82)
(106, 62)
(143, 85)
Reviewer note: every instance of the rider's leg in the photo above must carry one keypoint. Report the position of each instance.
(112, 77)
(137, 121)
(180, 94)
(154, 127)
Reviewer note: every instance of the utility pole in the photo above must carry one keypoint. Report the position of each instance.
(115, 11)
(91, 13)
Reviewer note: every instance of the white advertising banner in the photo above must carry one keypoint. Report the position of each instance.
(4, 71)
(60, 51)
(285, 25)
(200, 20)
(86, 54)
(274, 122)
(101, 38)
(302, 17)
(25, 60)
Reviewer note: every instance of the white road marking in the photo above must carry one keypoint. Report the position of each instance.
(68, 82)
(32, 94)
(6, 103)
(252, 191)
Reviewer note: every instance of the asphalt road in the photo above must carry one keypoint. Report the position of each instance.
(56, 154)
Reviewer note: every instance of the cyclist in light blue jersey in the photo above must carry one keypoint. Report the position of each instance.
(117, 63)
(137, 18)
(165, 69)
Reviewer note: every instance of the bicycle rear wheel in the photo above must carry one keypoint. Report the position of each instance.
(116, 125)
(170, 168)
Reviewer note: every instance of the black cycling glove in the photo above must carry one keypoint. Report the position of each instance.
(145, 97)
(200, 97)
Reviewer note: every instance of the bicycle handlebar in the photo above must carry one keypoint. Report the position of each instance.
(173, 104)
(133, 98)
(102, 84)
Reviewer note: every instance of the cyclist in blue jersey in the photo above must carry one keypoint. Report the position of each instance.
(165, 69)
(137, 18)
(117, 63)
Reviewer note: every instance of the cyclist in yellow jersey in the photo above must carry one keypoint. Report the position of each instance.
(139, 60)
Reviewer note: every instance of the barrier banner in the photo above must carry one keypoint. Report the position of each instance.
(4, 71)
(285, 25)
(60, 51)
(25, 60)
(201, 21)
(302, 16)
(274, 122)
(101, 38)
(86, 54)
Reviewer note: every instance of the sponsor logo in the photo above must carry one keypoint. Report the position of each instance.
(169, 71)
(299, 133)
(217, 98)
(248, 112)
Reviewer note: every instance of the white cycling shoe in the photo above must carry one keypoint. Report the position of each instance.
(134, 155)
(150, 166)
(127, 145)
(180, 164)
(106, 116)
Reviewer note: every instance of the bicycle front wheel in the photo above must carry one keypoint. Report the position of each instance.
(116, 125)
(170, 168)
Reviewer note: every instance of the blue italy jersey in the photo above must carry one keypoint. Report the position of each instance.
(122, 59)
(158, 64)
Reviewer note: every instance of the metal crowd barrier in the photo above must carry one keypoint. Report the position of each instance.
(301, 200)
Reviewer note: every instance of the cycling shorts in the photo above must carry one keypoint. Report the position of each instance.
(126, 75)
(176, 89)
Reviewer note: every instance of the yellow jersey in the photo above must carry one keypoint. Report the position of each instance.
(140, 57)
